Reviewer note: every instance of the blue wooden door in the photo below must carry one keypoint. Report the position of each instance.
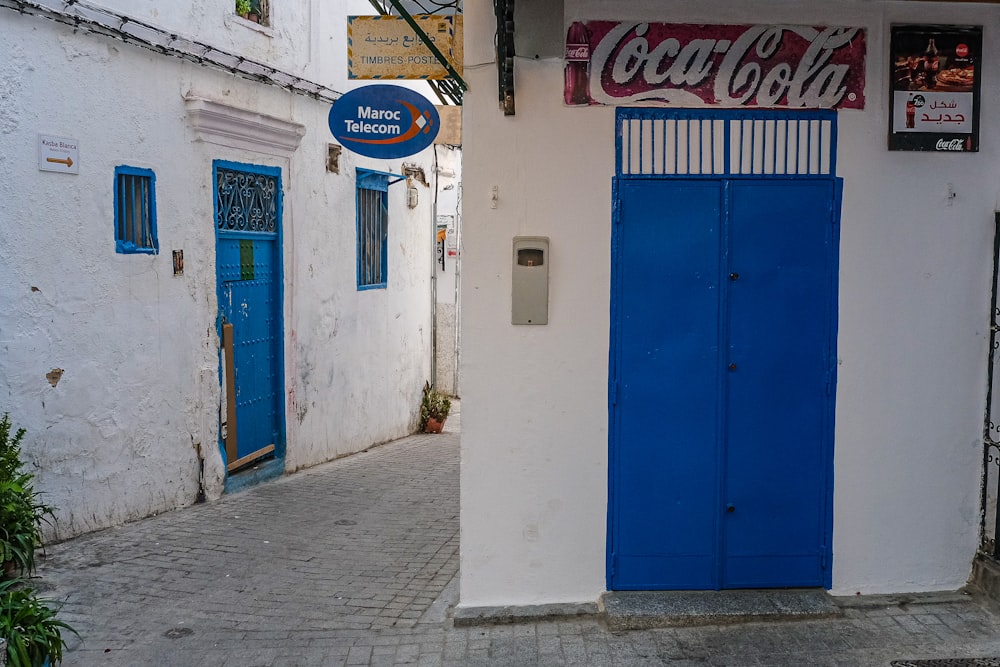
(721, 383)
(248, 303)
(248, 206)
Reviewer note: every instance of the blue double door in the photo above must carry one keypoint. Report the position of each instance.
(722, 376)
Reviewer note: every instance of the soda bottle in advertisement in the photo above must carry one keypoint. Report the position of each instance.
(932, 63)
(911, 112)
(577, 84)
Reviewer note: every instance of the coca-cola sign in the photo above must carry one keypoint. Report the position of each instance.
(934, 96)
(726, 65)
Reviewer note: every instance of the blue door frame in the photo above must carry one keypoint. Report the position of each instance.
(721, 387)
(249, 288)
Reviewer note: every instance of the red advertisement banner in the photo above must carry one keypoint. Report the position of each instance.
(771, 66)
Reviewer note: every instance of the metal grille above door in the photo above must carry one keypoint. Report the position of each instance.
(693, 143)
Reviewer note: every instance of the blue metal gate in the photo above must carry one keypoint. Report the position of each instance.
(722, 367)
(248, 264)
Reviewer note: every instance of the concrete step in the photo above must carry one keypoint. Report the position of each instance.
(639, 610)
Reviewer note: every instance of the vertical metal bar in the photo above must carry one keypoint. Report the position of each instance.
(134, 228)
(120, 187)
(147, 214)
(987, 433)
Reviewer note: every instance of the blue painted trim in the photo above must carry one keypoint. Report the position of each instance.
(829, 428)
(614, 362)
(127, 247)
(278, 462)
(254, 475)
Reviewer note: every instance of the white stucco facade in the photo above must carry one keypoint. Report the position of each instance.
(448, 268)
(914, 291)
(118, 431)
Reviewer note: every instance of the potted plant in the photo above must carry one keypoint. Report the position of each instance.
(21, 511)
(29, 623)
(434, 408)
(243, 8)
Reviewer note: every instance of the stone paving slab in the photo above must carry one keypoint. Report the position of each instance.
(354, 563)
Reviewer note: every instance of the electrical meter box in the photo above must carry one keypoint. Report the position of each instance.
(530, 277)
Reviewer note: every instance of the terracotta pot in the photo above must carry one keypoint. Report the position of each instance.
(433, 425)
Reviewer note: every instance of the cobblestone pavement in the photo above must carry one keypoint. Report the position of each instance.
(354, 563)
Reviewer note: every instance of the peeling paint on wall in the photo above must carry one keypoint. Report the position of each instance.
(54, 376)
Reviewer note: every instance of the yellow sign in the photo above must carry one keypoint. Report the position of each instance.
(386, 47)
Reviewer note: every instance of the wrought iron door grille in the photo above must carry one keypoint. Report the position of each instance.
(246, 201)
(696, 143)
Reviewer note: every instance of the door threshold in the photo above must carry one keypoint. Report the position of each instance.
(641, 610)
(255, 474)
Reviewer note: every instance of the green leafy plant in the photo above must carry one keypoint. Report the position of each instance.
(433, 405)
(21, 511)
(242, 7)
(30, 626)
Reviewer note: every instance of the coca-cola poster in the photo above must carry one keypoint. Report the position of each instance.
(771, 66)
(935, 88)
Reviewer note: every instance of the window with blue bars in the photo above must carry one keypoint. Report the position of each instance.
(135, 211)
(373, 228)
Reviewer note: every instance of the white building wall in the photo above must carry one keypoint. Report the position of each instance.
(118, 436)
(914, 307)
(448, 275)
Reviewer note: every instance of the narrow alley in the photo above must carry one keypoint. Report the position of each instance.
(354, 563)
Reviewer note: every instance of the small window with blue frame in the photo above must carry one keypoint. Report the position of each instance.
(373, 228)
(135, 211)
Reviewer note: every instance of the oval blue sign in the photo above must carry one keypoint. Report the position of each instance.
(384, 121)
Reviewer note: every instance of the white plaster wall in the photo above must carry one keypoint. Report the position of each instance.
(447, 309)
(116, 438)
(914, 295)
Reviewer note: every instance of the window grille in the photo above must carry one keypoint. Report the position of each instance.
(708, 143)
(373, 228)
(247, 198)
(135, 211)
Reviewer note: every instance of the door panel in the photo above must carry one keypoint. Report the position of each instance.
(248, 301)
(778, 332)
(667, 459)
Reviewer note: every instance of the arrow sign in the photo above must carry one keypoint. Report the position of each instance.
(60, 154)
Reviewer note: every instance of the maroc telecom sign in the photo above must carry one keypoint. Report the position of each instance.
(384, 121)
